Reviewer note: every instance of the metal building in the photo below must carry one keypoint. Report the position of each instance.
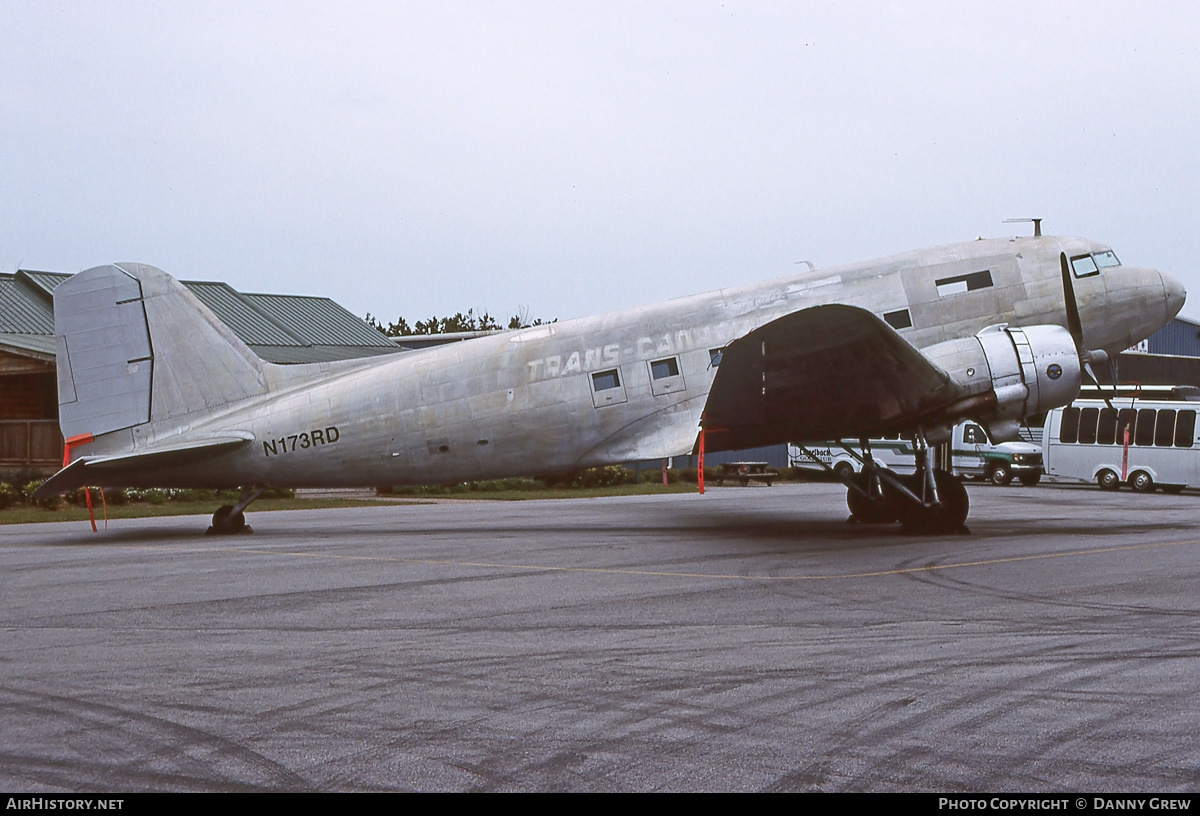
(1170, 356)
(1180, 337)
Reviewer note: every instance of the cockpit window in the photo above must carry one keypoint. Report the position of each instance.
(1087, 265)
(1084, 266)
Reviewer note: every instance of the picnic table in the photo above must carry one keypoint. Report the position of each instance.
(746, 472)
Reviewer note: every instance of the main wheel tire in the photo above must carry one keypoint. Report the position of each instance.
(843, 470)
(1142, 482)
(948, 517)
(1030, 479)
(226, 522)
(874, 510)
(1000, 474)
(1108, 480)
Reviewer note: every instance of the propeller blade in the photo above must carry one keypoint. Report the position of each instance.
(1099, 357)
(1074, 326)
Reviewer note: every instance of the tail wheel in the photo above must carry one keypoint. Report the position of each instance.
(1141, 482)
(225, 521)
(1108, 480)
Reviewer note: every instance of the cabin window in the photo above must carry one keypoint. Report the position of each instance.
(1143, 432)
(1068, 430)
(1185, 429)
(900, 319)
(1106, 431)
(607, 388)
(964, 283)
(661, 369)
(1164, 430)
(665, 377)
(604, 380)
(1084, 266)
(1087, 425)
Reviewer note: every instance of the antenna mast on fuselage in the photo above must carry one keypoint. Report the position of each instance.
(1037, 224)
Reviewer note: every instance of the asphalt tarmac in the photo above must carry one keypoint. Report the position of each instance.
(746, 640)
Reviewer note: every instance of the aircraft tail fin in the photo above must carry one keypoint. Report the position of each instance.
(135, 346)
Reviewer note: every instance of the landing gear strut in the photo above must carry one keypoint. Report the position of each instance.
(869, 498)
(940, 503)
(930, 502)
(230, 519)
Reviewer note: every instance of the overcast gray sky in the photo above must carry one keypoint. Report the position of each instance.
(419, 158)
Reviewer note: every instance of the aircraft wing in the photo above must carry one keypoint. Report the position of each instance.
(822, 373)
(91, 470)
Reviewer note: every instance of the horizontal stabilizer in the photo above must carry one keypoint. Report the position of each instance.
(93, 470)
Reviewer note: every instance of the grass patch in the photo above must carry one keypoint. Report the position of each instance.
(35, 515)
(25, 514)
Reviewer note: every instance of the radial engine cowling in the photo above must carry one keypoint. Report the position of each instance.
(1011, 373)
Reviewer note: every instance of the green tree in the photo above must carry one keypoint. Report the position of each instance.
(460, 322)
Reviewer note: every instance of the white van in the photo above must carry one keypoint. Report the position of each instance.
(974, 457)
(1145, 443)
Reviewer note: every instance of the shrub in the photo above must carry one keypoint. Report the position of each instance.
(146, 495)
(605, 476)
(46, 502)
(278, 493)
(115, 496)
(9, 495)
(78, 497)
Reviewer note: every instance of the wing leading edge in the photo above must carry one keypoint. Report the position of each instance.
(821, 373)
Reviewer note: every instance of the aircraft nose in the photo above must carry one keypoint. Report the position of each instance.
(1175, 292)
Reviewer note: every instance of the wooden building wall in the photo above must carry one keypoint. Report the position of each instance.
(29, 396)
(29, 435)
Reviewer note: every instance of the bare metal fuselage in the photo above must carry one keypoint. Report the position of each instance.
(526, 402)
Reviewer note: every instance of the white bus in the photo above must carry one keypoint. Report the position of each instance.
(973, 457)
(1146, 441)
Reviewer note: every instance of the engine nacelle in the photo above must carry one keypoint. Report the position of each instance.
(1010, 373)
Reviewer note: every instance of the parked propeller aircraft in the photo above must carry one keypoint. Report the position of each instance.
(154, 391)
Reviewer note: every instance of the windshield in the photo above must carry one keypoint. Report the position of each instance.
(1083, 266)
(1086, 265)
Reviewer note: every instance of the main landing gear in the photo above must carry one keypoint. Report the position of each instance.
(929, 502)
(230, 519)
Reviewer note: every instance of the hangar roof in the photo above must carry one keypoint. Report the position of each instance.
(279, 328)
